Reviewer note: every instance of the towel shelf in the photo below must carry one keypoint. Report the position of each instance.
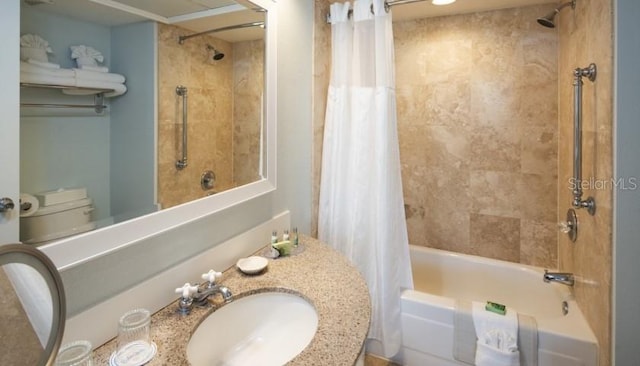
(65, 87)
(98, 97)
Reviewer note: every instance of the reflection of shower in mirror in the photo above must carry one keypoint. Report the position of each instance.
(101, 152)
(217, 55)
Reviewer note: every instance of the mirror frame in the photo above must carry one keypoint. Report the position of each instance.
(25, 254)
(70, 252)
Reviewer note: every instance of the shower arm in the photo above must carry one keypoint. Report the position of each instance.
(181, 39)
(181, 91)
(578, 202)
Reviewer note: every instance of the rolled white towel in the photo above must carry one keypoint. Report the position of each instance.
(94, 68)
(47, 65)
(40, 78)
(33, 69)
(118, 88)
(101, 76)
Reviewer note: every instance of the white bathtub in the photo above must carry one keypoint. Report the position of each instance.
(440, 277)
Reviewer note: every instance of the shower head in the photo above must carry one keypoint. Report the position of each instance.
(547, 20)
(217, 55)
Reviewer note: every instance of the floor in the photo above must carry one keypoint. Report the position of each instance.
(370, 360)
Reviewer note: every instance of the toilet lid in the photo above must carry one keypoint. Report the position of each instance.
(47, 210)
(61, 234)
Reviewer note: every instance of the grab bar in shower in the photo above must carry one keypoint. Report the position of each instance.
(590, 73)
(181, 91)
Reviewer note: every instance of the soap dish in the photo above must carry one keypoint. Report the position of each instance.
(252, 265)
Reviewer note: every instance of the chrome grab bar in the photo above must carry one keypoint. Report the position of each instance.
(578, 202)
(182, 92)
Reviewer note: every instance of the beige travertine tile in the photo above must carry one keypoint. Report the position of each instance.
(538, 243)
(539, 150)
(495, 193)
(495, 237)
(538, 197)
(221, 113)
(497, 149)
(585, 36)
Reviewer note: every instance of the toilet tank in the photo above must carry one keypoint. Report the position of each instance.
(57, 221)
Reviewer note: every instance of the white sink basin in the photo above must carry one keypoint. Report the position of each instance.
(264, 329)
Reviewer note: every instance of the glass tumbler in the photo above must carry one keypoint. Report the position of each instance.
(75, 354)
(133, 342)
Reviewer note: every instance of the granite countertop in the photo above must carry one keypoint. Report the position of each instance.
(318, 273)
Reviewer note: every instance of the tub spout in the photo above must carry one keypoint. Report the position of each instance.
(563, 278)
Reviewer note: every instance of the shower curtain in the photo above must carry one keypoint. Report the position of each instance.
(361, 210)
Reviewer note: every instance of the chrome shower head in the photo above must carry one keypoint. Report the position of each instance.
(217, 55)
(547, 20)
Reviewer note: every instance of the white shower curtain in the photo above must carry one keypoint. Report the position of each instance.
(361, 210)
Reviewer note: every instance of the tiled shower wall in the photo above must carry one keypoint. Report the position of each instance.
(248, 84)
(586, 36)
(477, 118)
(223, 113)
(210, 114)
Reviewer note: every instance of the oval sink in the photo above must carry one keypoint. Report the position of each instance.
(268, 328)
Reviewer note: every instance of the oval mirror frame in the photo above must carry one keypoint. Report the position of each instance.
(25, 254)
(76, 250)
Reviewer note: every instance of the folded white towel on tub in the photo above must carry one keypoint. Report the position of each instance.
(497, 334)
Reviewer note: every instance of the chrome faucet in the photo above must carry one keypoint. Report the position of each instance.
(560, 277)
(199, 294)
(200, 298)
(210, 289)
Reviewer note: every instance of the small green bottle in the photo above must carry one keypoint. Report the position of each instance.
(295, 237)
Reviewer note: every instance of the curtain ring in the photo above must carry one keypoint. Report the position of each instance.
(386, 8)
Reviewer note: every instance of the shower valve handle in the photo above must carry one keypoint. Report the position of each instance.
(565, 227)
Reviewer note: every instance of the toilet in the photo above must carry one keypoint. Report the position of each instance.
(62, 213)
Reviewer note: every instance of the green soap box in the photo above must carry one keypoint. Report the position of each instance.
(494, 307)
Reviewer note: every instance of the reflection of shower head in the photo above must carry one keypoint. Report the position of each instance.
(217, 55)
(547, 20)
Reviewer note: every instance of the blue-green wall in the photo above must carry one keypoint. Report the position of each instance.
(112, 155)
(133, 122)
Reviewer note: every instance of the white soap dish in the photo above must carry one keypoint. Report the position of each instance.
(252, 265)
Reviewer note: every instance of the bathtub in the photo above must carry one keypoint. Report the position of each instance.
(441, 277)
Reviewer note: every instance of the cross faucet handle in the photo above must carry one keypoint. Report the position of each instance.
(186, 290)
(211, 277)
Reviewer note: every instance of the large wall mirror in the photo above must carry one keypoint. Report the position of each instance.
(123, 163)
(192, 133)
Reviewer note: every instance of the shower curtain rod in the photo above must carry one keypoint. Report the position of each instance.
(181, 39)
(387, 5)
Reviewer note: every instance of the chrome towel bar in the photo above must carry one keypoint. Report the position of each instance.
(589, 72)
(181, 91)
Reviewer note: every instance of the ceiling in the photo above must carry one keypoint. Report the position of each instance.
(194, 15)
(424, 9)
(203, 15)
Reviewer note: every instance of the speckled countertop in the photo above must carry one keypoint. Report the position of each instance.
(319, 273)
